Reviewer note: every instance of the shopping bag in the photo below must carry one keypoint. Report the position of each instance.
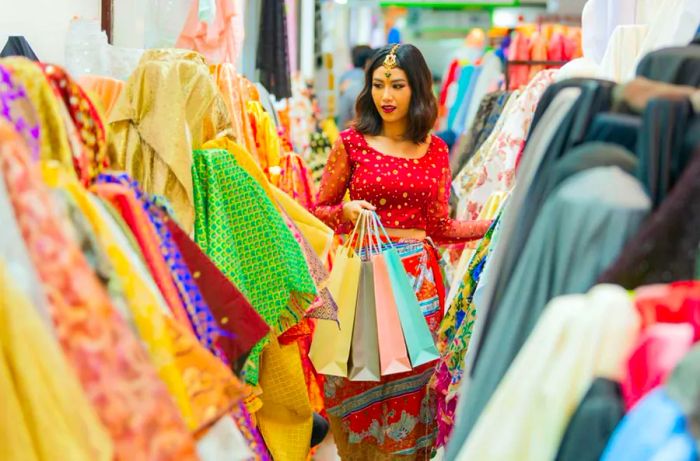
(419, 341)
(330, 346)
(393, 356)
(364, 352)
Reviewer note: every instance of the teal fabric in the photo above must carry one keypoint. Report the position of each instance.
(419, 340)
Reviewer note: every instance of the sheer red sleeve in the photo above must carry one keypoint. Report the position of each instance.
(334, 184)
(440, 227)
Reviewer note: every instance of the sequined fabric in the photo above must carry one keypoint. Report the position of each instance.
(87, 121)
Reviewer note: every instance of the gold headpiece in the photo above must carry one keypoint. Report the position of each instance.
(390, 61)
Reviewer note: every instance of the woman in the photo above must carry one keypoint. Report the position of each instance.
(391, 164)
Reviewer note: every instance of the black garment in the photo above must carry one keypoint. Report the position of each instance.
(680, 66)
(18, 46)
(620, 129)
(661, 159)
(273, 49)
(319, 429)
(595, 420)
(596, 96)
(665, 247)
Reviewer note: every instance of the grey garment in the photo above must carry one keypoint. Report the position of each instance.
(266, 101)
(683, 386)
(680, 65)
(595, 420)
(534, 152)
(570, 131)
(346, 103)
(581, 229)
(14, 252)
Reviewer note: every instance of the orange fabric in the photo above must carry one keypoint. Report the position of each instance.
(106, 90)
(236, 92)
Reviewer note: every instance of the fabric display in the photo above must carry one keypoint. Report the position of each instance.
(607, 319)
(113, 195)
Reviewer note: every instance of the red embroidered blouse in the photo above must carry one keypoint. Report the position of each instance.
(408, 193)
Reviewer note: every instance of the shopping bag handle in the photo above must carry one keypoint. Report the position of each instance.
(379, 230)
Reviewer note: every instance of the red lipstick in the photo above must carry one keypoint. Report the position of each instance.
(388, 109)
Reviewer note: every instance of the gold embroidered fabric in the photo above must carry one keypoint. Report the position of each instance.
(169, 107)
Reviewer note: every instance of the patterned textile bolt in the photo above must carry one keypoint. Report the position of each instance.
(88, 123)
(200, 316)
(53, 140)
(453, 339)
(492, 168)
(17, 109)
(132, 403)
(397, 415)
(241, 231)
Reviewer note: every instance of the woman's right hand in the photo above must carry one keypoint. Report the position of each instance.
(352, 209)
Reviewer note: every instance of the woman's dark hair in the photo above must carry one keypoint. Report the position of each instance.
(422, 111)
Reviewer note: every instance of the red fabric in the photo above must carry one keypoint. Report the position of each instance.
(658, 351)
(449, 79)
(128, 206)
(408, 193)
(236, 317)
(677, 302)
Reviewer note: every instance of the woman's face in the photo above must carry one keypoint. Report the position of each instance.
(391, 94)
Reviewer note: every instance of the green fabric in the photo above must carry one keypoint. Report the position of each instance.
(238, 227)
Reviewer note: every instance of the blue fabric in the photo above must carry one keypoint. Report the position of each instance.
(465, 101)
(655, 429)
(465, 76)
(198, 311)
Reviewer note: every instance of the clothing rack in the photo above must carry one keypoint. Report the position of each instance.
(529, 63)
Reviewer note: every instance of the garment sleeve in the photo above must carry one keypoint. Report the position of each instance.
(334, 184)
(440, 227)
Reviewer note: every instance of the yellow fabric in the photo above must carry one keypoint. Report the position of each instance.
(170, 106)
(578, 338)
(201, 385)
(285, 419)
(330, 128)
(45, 414)
(489, 212)
(143, 303)
(53, 136)
(315, 231)
(266, 137)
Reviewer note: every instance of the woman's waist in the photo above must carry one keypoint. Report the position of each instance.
(406, 234)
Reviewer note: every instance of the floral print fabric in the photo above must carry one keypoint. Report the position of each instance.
(113, 368)
(492, 169)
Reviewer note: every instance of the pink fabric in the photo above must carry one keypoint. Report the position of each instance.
(658, 351)
(222, 40)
